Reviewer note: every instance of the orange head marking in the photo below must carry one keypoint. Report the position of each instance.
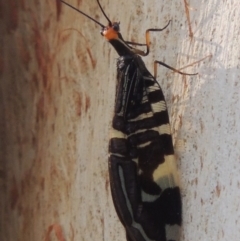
(111, 31)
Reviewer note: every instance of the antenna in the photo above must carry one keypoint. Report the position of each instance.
(88, 15)
(109, 22)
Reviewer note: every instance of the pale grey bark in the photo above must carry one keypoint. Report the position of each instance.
(57, 96)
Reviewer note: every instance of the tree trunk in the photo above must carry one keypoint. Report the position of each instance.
(57, 96)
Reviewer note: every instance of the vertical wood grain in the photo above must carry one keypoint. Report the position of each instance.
(57, 95)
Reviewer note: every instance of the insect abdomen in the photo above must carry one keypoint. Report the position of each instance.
(143, 174)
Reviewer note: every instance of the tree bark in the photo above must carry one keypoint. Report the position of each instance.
(57, 96)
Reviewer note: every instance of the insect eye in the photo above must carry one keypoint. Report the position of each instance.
(116, 27)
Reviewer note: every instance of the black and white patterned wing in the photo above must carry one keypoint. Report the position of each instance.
(143, 174)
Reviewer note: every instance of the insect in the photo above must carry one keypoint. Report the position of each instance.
(142, 168)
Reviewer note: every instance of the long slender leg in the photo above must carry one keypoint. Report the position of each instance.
(169, 67)
(147, 44)
(133, 43)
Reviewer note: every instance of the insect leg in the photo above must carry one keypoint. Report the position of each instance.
(133, 43)
(147, 44)
(169, 67)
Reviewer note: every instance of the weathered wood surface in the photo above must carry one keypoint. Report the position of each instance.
(57, 95)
